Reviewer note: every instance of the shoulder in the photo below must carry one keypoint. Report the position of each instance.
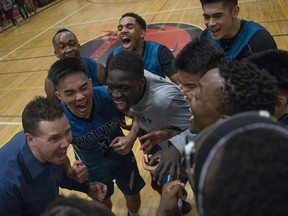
(88, 60)
(262, 40)
(101, 93)
(204, 33)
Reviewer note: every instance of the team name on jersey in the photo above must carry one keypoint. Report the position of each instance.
(98, 133)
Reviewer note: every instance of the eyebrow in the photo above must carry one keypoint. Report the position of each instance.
(214, 14)
(72, 90)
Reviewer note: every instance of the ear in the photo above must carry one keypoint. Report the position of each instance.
(281, 103)
(30, 140)
(142, 33)
(142, 83)
(235, 12)
(222, 118)
(56, 53)
(58, 95)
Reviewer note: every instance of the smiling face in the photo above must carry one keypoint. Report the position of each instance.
(220, 20)
(66, 45)
(125, 90)
(205, 102)
(75, 90)
(52, 142)
(130, 34)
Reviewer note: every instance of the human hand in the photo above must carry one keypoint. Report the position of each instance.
(169, 163)
(77, 172)
(97, 190)
(80, 171)
(147, 166)
(169, 198)
(151, 139)
(122, 145)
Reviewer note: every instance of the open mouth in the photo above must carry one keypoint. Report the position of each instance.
(83, 107)
(72, 54)
(61, 155)
(126, 42)
(121, 105)
(214, 32)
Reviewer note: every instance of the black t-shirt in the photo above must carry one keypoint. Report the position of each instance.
(260, 41)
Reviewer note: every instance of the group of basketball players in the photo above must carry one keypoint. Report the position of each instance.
(213, 78)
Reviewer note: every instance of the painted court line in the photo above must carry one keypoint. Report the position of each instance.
(24, 44)
(10, 123)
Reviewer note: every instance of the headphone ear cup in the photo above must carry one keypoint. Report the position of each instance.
(219, 131)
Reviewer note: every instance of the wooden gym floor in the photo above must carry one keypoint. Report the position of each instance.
(26, 53)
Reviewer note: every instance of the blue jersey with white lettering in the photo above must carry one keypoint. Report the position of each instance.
(92, 137)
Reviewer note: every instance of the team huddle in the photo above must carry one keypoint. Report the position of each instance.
(212, 117)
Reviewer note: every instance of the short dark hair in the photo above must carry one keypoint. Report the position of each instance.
(66, 66)
(73, 206)
(275, 62)
(60, 31)
(231, 3)
(40, 109)
(252, 174)
(138, 19)
(246, 88)
(199, 56)
(129, 62)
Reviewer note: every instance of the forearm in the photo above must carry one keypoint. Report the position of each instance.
(74, 185)
(133, 133)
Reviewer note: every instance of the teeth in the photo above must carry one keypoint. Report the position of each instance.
(118, 102)
(124, 37)
(82, 104)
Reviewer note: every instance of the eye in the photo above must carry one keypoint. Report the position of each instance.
(83, 88)
(68, 94)
(68, 132)
(130, 26)
(72, 43)
(217, 16)
(110, 88)
(61, 46)
(119, 28)
(54, 139)
(206, 17)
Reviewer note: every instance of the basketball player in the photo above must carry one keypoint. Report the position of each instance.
(230, 88)
(153, 102)
(66, 44)
(95, 121)
(157, 57)
(250, 146)
(239, 38)
(193, 61)
(276, 63)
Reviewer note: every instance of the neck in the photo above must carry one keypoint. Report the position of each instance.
(142, 91)
(140, 48)
(235, 28)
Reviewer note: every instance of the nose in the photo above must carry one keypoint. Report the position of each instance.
(68, 48)
(211, 22)
(79, 96)
(184, 90)
(124, 29)
(65, 143)
(116, 93)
